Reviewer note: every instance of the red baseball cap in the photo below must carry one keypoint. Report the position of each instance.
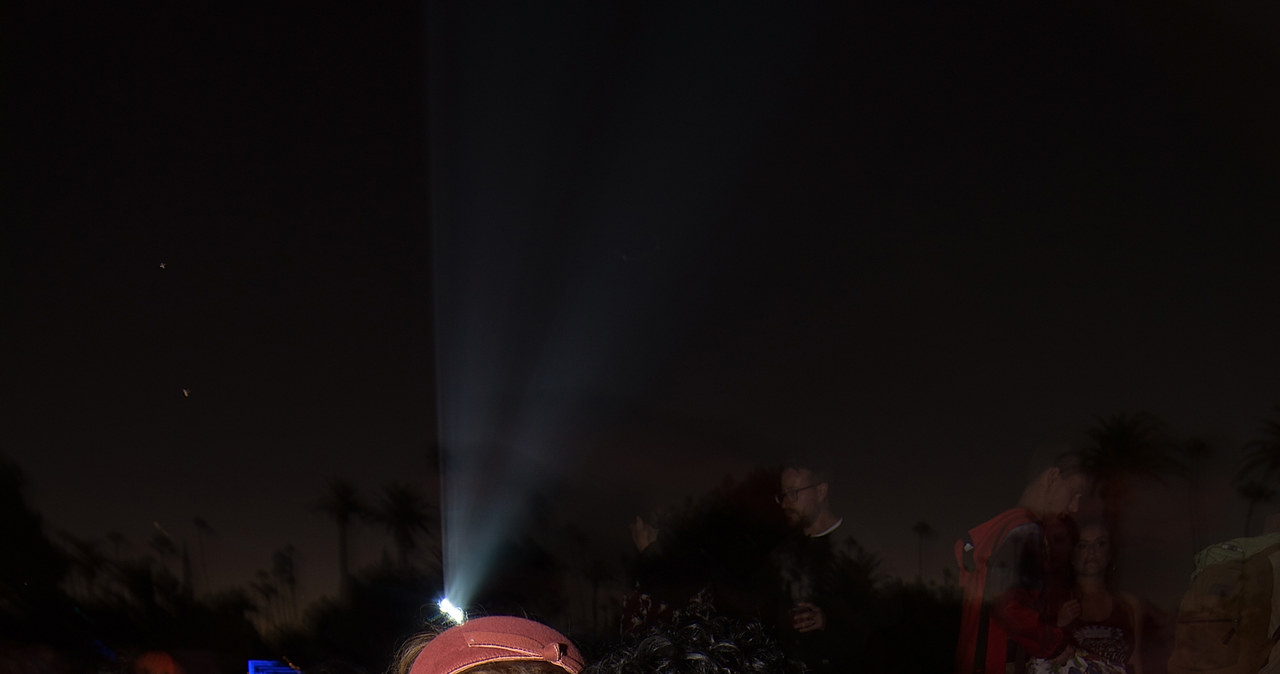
(496, 639)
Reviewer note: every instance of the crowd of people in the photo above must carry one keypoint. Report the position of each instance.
(1038, 583)
(1040, 597)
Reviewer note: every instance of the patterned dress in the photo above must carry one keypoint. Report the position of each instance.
(1102, 647)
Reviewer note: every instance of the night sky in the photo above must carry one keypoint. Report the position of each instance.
(615, 251)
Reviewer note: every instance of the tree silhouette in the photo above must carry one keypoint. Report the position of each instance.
(1262, 459)
(284, 569)
(922, 531)
(28, 581)
(1254, 493)
(1124, 447)
(87, 562)
(343, 505)
(162, 544)
(138, 579)
(264, 584)
(405, 514)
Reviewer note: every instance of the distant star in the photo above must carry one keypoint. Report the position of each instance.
(186, 393)
(162, 265)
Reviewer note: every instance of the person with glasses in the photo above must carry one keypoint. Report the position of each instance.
(812, 598)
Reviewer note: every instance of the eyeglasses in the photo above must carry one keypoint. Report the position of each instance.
(790, 494)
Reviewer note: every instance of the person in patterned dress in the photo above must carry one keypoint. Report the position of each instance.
(1104, 626)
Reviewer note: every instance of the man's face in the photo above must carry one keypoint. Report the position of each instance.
(1064, 493)
(801, 498)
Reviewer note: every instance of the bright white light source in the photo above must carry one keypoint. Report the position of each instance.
(453, 612)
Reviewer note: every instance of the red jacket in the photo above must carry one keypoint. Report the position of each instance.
(1003, 564)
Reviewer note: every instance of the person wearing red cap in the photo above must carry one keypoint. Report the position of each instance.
(491, 645)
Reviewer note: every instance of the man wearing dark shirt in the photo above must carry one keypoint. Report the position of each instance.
(812, 610)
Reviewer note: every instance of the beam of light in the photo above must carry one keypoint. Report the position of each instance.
(452, 612)
(553, 305)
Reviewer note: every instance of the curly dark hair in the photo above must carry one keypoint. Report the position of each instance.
(699, 644)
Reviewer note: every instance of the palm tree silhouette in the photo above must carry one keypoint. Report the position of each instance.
(343, 505)
(404, 513)
(922, 531)
(284, 569)
(266, 588)
(164, 547)
(1124, 447)
(1262, 459)
(87, 560)
(1254, 493)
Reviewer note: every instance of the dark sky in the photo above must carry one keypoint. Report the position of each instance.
(632, 246)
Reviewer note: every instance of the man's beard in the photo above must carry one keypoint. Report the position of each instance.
(797, 519)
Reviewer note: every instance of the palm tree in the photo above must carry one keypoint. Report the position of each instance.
(343, 505)
(138, 581)
(1262, 459)
(164, 547)
(922, 531)
(87, 560)
(1254, 493)
(405, 514)
(284, 569)
(266, 588)
(1124, 447)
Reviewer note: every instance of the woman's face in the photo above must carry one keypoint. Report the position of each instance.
(1093, 551)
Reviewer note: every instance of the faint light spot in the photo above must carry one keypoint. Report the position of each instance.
(162, 265)
(186, 393)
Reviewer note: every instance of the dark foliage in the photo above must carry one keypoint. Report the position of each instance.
(363, 631)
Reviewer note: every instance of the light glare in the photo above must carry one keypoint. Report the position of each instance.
(453, 612)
